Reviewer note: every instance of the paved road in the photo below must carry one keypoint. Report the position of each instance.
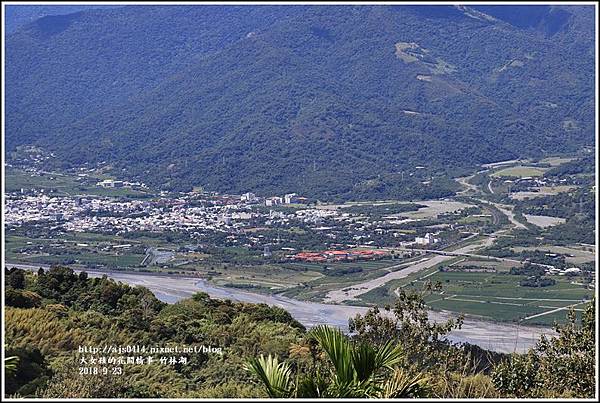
(499, 259)
(506, 210)
(500, 163)
(564, 308)
(464, 180)
(351, 292)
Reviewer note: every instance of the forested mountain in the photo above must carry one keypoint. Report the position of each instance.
(16, 16)
(336, 100)
(548, 20)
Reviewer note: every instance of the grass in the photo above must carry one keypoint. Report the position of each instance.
(15, 180)
(493, 296)
(63, 185)
(19, 240)
(125, 260)
(249, 270)
(543, 191)
(476, 220)
(500, 266)
(579, 255)
(434, 208)
(485, 309)
(548, 320)
(67, 243)
(503, 285)
(263, 278)
(318, 288)
(556, 161)
(366, 265)
(519, 171)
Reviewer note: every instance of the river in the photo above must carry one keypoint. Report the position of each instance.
(502, 337)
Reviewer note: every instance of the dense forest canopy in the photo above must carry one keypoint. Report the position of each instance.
(16, 16)
(338, 100)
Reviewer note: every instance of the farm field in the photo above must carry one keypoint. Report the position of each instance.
(494, 296)
(92, 239)
(556, 161)
(307, 281)
(543, 221)
(65, 185)
(271, 277)
(316, 290)
(520, 171)
(85, 251)
(434, 208)
(334, 206)
(543, 191)
(477, 220)
(391, 225)
(579, 254)
(87, 259)
(500, 266)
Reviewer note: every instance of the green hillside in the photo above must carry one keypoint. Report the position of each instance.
(327, 101)
(204, 347)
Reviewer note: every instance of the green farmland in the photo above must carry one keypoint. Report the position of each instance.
(493, 296)
(519, 171)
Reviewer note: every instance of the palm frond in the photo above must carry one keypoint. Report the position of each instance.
(338, 349)
(364, 360)
(10, 364)
(353, 389)
(274, 375)
(388, 355)
(404, 385)
(313, 385)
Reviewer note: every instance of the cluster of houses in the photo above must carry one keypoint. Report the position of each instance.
(104, 214)
(571, 271)
(338, 255)
(428, 239)
(290, 198)
(531, 184)
(111, 183)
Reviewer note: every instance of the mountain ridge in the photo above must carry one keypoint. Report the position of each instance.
(317, 100)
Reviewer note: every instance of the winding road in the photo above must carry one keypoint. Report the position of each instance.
(507, 211)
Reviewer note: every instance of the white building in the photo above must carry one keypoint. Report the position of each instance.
(109, 183)
(248, 197)
(289, 198)
(573, 270)
(428, 239)
(273, 201)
